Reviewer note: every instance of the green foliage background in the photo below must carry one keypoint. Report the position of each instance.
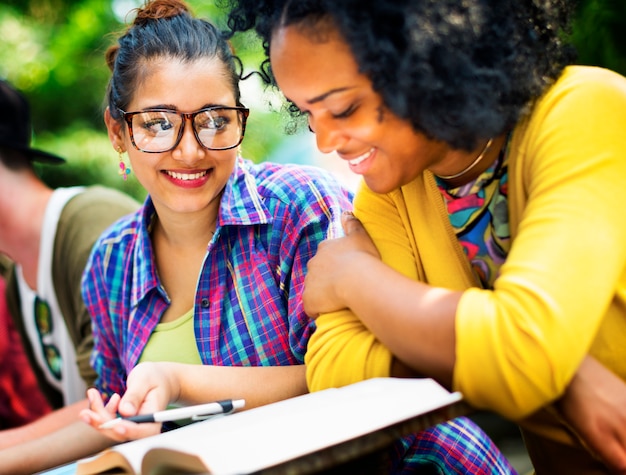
(53, 50)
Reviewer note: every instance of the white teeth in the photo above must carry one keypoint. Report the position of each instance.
(360, 158)
(186, 176)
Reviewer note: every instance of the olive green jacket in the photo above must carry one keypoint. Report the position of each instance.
(82, 221)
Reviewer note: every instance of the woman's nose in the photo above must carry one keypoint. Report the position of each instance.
(189, 148)
(328, 137)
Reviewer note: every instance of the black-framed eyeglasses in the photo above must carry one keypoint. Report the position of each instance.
(160, 130)
(44, 325)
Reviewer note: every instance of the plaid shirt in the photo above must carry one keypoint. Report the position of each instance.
(248, 310)
(455, 447)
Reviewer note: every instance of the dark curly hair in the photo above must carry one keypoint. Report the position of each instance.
(459, 71)
(164, 29)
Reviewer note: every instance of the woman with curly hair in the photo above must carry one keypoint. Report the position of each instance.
(245, 319)
(486, 248)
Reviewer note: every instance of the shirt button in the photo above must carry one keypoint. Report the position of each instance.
(204, 303)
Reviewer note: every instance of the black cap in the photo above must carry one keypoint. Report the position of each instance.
(15, 128)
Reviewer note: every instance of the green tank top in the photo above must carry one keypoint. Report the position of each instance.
(173, 341)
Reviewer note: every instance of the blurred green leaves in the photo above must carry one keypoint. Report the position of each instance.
(598, 33)
(53, 51)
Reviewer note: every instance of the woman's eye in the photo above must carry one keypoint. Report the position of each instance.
(215, 123)
(156, 125)
(346, 113)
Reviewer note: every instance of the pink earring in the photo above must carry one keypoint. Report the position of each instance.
(124, 171)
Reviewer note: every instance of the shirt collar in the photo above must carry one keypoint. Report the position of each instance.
(241, 202)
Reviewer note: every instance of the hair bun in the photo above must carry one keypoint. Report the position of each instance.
(160, 9)
(111, 55)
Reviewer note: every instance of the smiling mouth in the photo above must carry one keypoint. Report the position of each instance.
(360, 158)
(186, 176)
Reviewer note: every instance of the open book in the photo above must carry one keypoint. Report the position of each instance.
(276, 437)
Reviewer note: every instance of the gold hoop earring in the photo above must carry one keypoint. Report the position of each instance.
(124, 170)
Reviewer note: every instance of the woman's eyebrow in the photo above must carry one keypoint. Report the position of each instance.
(174, 108)
(323, 96)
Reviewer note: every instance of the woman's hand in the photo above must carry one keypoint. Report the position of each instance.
(594, 405)
(150, 388)
(329, 271)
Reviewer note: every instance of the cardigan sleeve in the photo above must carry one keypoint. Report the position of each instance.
(558, 294)
(342, 350)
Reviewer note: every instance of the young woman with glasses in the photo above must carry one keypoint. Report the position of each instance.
(490, 246)
(207, 275)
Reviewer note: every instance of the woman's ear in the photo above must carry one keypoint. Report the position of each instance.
(116, 133)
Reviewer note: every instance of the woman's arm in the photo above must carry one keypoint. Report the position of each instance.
(385, 300)
(195, 384)
(594, 405)
(70, 443)
(42, 426)
(153, 386)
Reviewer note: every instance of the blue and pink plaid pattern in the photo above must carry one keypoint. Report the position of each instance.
(456, 447)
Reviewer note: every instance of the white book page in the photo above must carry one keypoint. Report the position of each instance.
(255, 439)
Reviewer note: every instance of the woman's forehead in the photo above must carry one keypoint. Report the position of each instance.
(188, 84)
(300, 63)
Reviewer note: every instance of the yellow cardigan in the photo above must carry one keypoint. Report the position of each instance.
(561, 293)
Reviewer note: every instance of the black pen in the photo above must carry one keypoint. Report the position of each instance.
(197, 412)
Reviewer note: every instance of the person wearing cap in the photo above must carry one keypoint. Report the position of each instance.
(48, 234)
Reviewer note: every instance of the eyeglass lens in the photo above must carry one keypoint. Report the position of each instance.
(43, 322)
(158, 130)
